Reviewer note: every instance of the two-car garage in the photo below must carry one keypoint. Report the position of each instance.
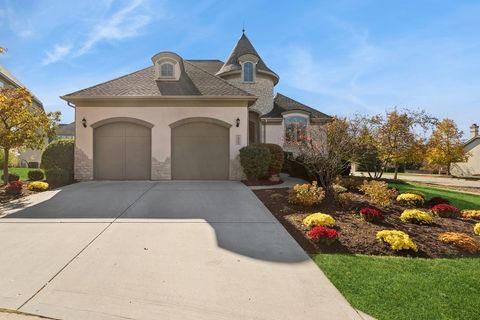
(122, 150)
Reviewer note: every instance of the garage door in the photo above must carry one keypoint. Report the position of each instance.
(200, 151)
(122, 151)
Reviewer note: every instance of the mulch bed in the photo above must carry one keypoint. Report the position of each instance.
(4, 197)
(261, 183)
(358, 236)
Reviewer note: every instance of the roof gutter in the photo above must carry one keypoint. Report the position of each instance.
(73, 99)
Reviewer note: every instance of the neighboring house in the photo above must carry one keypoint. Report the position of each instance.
(24, 156)
(65, 131)
(183, 119)
(472, 146)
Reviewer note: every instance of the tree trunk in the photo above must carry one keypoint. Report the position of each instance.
(395, 174)
(448, 168)
(5, 165)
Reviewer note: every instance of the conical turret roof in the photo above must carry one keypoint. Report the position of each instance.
(243, 47)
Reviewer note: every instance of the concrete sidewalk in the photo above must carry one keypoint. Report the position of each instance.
(159, 250)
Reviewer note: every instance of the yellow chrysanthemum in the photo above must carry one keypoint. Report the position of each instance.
(319, 219)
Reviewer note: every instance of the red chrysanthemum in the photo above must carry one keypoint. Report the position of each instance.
(319, 232)
(371, 212)
(445, 208)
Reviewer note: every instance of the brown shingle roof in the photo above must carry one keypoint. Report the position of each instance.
(283, 103)
(244, 46)
(194, 81)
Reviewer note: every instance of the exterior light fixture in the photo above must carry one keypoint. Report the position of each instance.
(237, 122)
(84, 122)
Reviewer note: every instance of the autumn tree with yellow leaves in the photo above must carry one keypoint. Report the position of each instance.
(445, 146)
(22, 124)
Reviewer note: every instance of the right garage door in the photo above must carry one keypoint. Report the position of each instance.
(200, 151)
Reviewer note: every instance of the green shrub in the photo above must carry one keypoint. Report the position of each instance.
(255, 161)
(35, 175)
(12, 177)
(58, 177)
(58, 159)
(276, 157)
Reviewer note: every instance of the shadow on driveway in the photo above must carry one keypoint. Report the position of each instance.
(241, 222)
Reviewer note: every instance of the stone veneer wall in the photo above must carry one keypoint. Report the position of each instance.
(262, 88)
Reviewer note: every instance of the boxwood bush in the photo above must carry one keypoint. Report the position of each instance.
(11, 177)
(58, 177)
(57, 160)
(255, 161)
(276, 158)
(35, 175)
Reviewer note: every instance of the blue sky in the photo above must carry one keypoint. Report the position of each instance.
(341, 57)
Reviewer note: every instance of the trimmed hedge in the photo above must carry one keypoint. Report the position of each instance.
(58, 177)
(11, 177)
(255, 161)
(276, 158)
(35, 175)
(57, 160)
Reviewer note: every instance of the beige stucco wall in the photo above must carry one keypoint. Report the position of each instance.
(472, 166)
(161, 114)
(273, 133)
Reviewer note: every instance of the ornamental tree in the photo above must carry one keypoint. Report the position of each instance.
(394, 138)
(445, 146)
(326, 150)
(21, 123)
(3, 50)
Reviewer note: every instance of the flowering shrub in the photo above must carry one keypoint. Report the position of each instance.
(378, 192)
(438, 200)
(338, 188)
(445, 210)
(472, 214)
(460, 240)
(371, 214)
(418, 193)
(476, 229)
(306, 194)
(14, 187)
(38, 186)
(410, 199)
(322, 234)
(319, 219)
(398, 240)
(416, 216)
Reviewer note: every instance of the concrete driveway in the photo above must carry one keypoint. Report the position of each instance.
(157, 250)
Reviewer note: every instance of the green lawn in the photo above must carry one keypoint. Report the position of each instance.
(406, 288)
(458, 199)
(22, 172)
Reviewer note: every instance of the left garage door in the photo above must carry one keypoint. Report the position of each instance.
(122, 151)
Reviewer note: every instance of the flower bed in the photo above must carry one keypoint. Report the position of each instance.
(356, 236)
(371, 214)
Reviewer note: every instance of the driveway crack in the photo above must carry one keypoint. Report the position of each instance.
(86, 246)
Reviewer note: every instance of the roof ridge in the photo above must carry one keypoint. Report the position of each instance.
(108, 81)
(217, 77)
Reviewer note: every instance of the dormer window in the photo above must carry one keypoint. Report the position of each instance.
(166, 70)
(248, 72)
(168, 66)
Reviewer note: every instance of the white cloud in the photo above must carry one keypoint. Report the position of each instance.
(58, 53)
(124, 23)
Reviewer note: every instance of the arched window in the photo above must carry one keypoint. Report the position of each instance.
(248, 71)
(166, 70)
(295, 129)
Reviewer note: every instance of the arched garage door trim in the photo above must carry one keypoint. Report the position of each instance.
(122, 119)
(200, 119)
(200, 149)
(122, 149)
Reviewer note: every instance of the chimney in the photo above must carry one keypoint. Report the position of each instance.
(474, 130)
